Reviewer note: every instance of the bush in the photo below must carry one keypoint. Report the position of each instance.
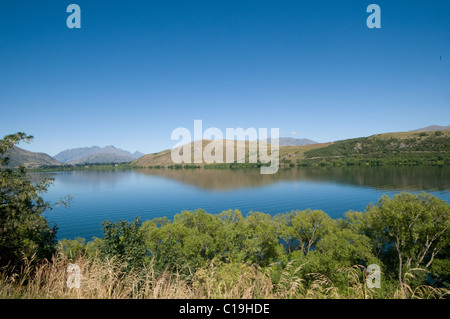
(24, 232)
(125, 241)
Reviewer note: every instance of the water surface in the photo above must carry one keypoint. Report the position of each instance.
(124, 194)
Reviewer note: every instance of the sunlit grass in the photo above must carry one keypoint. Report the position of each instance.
(103, 279)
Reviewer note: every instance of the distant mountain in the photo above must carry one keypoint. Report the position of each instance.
(137, 154)
(96, 154)
(102, 158)
(20, 157)
(289, 141)
(433, 128)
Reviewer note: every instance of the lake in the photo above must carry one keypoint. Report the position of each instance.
(100, 195)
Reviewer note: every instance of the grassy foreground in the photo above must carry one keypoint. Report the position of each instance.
(103, 279)
(301, 254)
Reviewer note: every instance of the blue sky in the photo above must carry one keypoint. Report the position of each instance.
(136, 70)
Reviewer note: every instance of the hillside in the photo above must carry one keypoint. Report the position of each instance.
(20, 157)
(403, 148)
(96, 154)
(164, 159)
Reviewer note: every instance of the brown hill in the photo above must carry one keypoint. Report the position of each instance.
(164, 159)
(20, 157)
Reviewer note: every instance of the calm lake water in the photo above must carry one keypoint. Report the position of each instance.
(118, 194)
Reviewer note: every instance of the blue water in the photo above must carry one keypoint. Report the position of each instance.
(115, 195)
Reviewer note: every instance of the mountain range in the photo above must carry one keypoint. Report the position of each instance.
(291, 149)
(289, 141)
(433, 128)
(96, 154)
(92, 155)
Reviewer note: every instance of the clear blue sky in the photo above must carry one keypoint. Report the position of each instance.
(136, 70)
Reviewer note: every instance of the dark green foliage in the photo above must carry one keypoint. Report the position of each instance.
(234, 165)
(259, 239)
(124, 240)
(423, 150)
(190, 166)
(194, 238)
(24, 232)
(302, 230)
(312, 240)
(398, 234)
(407, 231)
(440, 272)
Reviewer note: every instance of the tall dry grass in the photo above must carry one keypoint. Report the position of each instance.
(104, 279)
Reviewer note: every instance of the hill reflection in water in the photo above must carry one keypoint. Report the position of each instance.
(413, 179)
(391, 178)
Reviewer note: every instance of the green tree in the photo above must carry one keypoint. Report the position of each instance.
(260, 239)
(124, 240)
(303, 229)
(412, 227)
(24, 232)
(233, 236)
(344, 248)
(188, 242)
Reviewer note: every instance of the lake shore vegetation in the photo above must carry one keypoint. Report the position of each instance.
(300, 254)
